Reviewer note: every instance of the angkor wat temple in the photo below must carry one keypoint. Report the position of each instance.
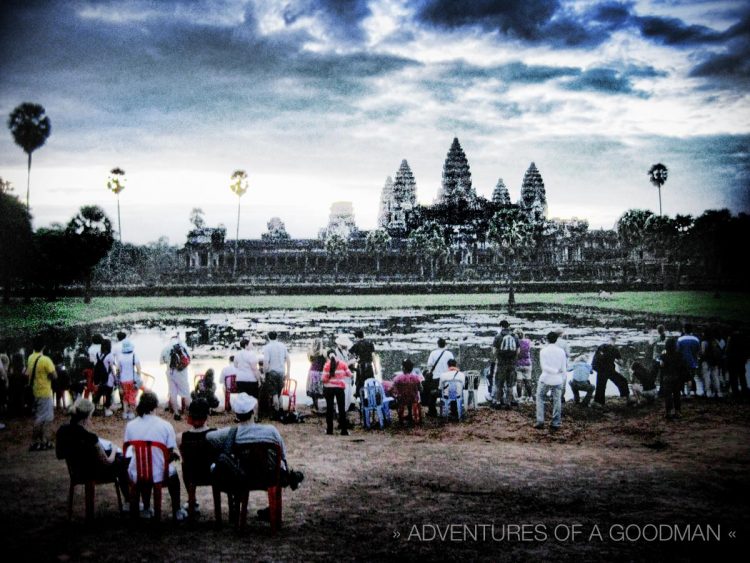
(446, 240)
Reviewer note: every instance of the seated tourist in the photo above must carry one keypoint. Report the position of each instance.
(581, 370)
(406, 388)
(198, 454)
(88, 456)
(248, 432)
(644, 383)
(451, 374)
(148, 426)
(206, 389)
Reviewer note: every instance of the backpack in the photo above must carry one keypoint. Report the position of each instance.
(712, 355)
(179, 359)
(508, 347)
(100, 371)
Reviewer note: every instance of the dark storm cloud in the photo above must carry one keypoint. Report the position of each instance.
(730, 67)
(675, 32)
(535, 21)
(344, 17)
(169, 65)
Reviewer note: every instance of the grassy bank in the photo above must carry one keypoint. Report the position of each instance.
(67, 312)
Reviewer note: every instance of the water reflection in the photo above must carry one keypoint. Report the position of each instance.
(397, 334)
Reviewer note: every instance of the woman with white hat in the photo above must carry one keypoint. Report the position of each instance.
(343, 345)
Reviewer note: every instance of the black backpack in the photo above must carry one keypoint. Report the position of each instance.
(100, 370)
(179, 359)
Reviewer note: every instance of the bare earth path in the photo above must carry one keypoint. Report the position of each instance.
(439, 488)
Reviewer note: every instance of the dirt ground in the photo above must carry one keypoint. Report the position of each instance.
(434, 492)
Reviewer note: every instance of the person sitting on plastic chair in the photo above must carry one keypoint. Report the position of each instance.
(244, 407)
(88, 456)
(452, 374)
(149, 427)
(406, 388)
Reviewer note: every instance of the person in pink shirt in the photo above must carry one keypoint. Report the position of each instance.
(406, 387)
(335, 374)
(523, 367)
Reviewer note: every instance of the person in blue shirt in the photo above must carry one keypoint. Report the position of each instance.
(580, 372)
(689, 347)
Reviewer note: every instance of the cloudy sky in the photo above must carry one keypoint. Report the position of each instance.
(321, 100)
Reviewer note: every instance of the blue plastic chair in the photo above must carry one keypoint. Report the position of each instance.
(455, 395)
(373, 401)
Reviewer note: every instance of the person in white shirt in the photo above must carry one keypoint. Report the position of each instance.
(249, 377)
(176, 378)
(129, 374)
(341, 351)
(437, 364)
(554, 364)
(452, 374)
(95, 348)
(277, 366)
(148, 426)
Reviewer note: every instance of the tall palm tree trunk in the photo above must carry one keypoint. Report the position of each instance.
(659, 201)
(28, 182)
(119, 224)
(236, 239)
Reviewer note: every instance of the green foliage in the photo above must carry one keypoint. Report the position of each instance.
(631, 228)
(239, 183)
(116, 181)
(16, 242)
(378, 241)
(657, 174)
(511, 230)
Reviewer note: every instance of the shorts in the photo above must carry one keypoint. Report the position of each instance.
(43, 410)
(274, 382)
(128, 391)
(523, 372)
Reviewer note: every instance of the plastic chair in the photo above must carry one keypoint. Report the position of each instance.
(143, 454)
(261, 462)
(407, 397)
(373, 401)
(455, 395)
(230, 386)
(472, 384)
(89, 488)
(197, 457)
(90, 389)
(290, 391)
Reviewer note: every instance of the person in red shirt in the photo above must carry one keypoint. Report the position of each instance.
(335, 372)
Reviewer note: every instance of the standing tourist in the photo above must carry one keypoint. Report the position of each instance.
(335, 376)
(523, 367)
(674, 374)
(738, 352)
(712, 355)
(277, 366)
(41, 373)
(553, 363)
(363, 349)
(104, 362)
(604, 363)
(689, 347)
(249, 377)
(129, 375)
(317, 356)
(343, 354)
(177, 358)
(505, 347)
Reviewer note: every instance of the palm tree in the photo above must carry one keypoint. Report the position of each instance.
(337, 247)
(30, 127)
(238, 186)
(90, 234)
(511, 231)
(115, 184)
(377, 244)
(657, 175)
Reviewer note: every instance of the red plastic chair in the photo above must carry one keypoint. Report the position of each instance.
(265, 477)
(89, 488)
(230, 386)
(90, 389)
(407, 396)
(143, 454)
(290, 390)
